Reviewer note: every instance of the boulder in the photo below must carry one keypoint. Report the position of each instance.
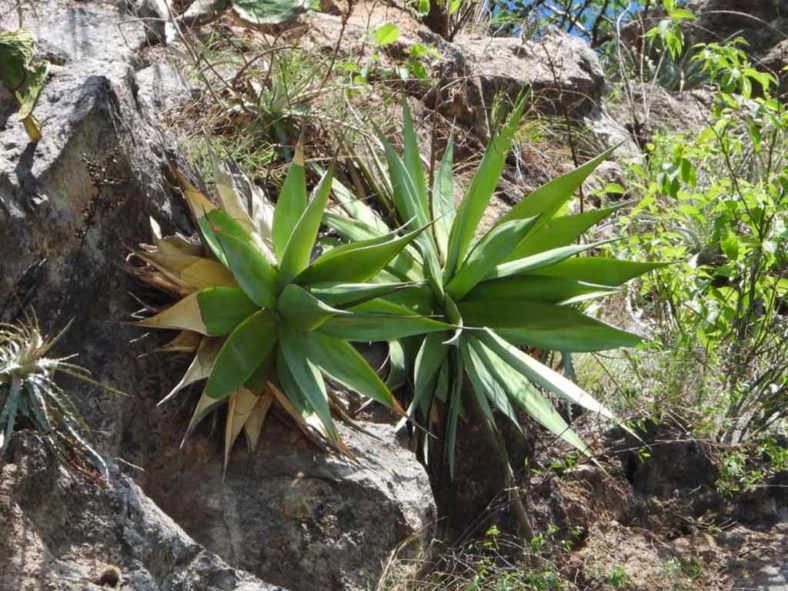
(64, 530)
(70, 206)
(293, 514)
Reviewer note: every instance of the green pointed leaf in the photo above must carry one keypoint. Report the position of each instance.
(357, 261)
(345, 365)
(480, 192)
(548, 199)
(248, 264)
(224, 308)
(431, 356)
(306, 375)
(485, 385)
(303, 311)
(302, 240)
(488, 252)
(527, 396)
(343, 294)
(535, 288)
(242, 353)
(546, 326)
(443, 204)
(542, 261)
(407, 265)
(291, 203)
(379, 320)
(541, 374)
(609, 272)
(358, 210)
(412, 159)
(560, 231)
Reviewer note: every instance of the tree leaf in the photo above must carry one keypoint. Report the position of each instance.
(249, 265)
(541, 374)
(200, 367)
(560, 231)
(357, 261)
(183, 315)
(242, 353)
(443, 205)
(538, 261)
(267, 12)
(301, 310)
(342, 294)
(379, 320)
(527, 396)
(386, 34)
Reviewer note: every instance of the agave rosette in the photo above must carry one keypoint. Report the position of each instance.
(265, 321)
(512, 290)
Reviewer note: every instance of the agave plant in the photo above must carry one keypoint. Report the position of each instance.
(514, 287)
(22, 75)
(263, 318)
(28, 391)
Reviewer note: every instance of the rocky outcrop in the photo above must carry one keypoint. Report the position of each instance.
(70, 205)
(64, 530)
(293, 514)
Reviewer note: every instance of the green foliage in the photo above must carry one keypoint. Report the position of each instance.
(717, 203)
(23, 76)
(508, 288)
(251, 308)
(30, 396)
(742, 470)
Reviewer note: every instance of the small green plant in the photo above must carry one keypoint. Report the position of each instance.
(30, 396)
(617, 577)
(515, 286)
(22, 75)
(263, 318)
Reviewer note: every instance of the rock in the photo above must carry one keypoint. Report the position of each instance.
(70, 206)
(762, 23)
(293, 514)
(64, 530)
(563, 72)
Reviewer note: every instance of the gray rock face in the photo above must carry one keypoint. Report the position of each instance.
(562, 70)
(64, 531)
(69, 208)
(293, 514)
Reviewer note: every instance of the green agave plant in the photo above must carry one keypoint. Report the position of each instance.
(265, 321)
(22, 75)
(30, 394)
(512, 288)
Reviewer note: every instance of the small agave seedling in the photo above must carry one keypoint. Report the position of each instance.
(514, 287)
(28, 391)
(264, 320)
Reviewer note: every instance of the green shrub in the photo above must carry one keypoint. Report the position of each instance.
(513, 287)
